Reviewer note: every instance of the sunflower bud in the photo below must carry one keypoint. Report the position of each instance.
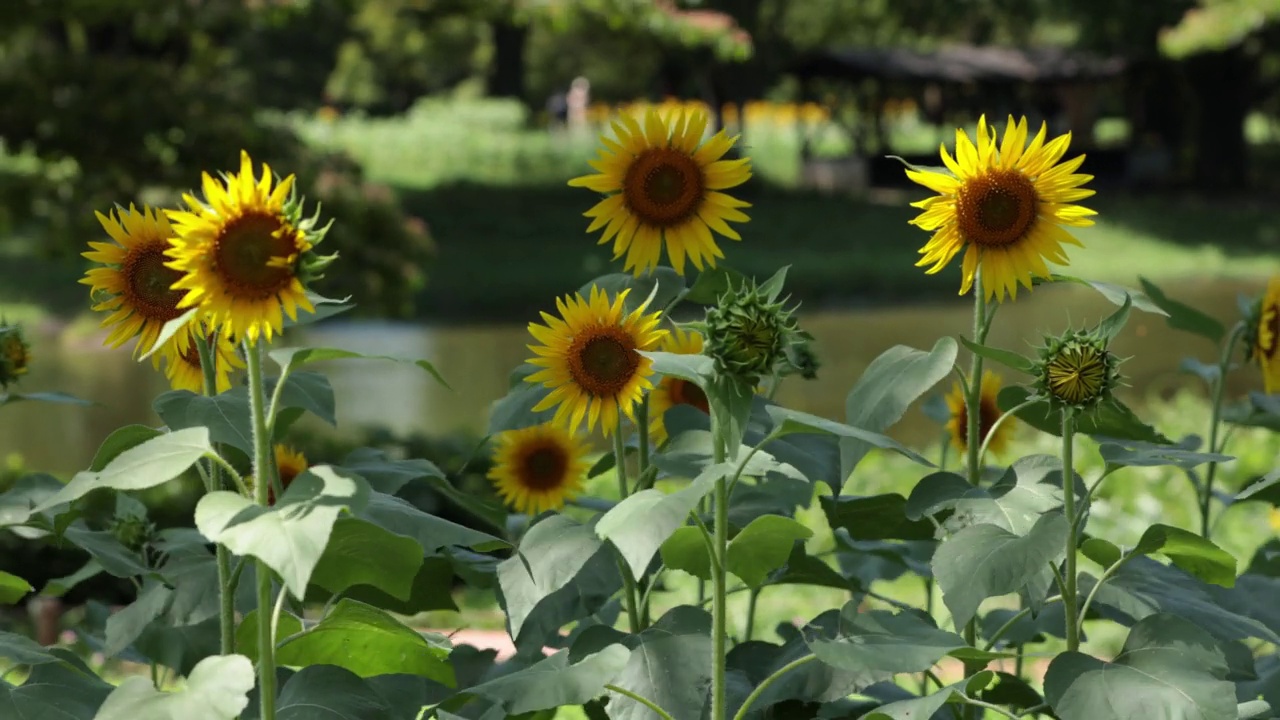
(133, 532)
(15, 354)
(1077, 370)
(750, 335)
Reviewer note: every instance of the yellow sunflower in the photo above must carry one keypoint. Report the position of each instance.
(289, 465)
(134, 284)
(182, 362)
(239, 253)
(672, 391)
(589, 359)
(1267, 337)
(1006, 203)
(988, 413)
(663, 186)
(539, 468)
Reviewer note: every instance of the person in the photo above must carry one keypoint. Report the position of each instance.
(576, 101)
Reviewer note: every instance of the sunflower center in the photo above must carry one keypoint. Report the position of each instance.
(254, 255)
(1272, 320)
(663, 187)
(1077, 374)
(604, 361)
(683, 392)
(544, 468)
(150, 283)
(996, 209)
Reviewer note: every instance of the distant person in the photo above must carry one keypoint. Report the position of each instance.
(577, 100)
(557, 110)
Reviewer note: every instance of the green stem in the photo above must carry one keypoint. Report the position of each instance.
(764, 685)
(1088, 600)
(632, 593)
(752, 599)
(973, 416)
(1069, 507)
(640, 699)
(222, 558)
(999, 633)
(264, 472)
(991, 432)
(642, 437)
(702, 584)
(719, 579)
(1215, 421)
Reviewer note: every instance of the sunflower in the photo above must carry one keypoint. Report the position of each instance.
(988, 413)
(240, 253)
(15, 355)
(672, 391)
(182, 362)
(1006, 204)
(289, 465)
(134, 284)
(1266, 337)
(663, 186)
(589, 359)
(538, 468)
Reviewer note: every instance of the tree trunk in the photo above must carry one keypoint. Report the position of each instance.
(506, 76)
(1221, 83)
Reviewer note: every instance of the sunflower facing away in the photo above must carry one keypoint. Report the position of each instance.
(538, 468)
(133, 282)
(1006, 202)
(664, 186)
(182, 362)
(289, 464)
(988, 413)
(240, 253)
(1266, 337)
(589, 360)
(672, 391)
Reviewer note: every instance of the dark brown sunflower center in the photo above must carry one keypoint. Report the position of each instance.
(252, 255)
(996, 209)
(603, 360)
(288, 472)
(988, 413)
(150, 283)
(191, 355)
(544, 468)
(1271, 319)
(663, 187)
(683, 392)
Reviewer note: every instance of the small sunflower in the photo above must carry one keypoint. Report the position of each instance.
(182, 362)
(988, 413)
(664, 186)
(134, 283)
(1005, 202)
(538, 468)
(1265, 348)
(289, 465)
(590, 360)
(673, 391)
(240, 252)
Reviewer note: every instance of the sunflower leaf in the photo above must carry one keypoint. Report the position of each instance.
(1115, 293)
(289, 359)
(1112, 420)
(1114, 323)
(1008, 358)
(1182, 316)
(171, 328)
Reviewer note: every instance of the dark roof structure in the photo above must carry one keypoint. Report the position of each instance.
(959, 64)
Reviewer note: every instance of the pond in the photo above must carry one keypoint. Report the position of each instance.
(477, 361)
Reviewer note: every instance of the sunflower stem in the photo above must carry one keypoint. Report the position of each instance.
(264, 472)
(642, 437)
(973, 454)
(1069, 507)
(719, 580)
(226, 598)
(1215, 421)
(620, 468)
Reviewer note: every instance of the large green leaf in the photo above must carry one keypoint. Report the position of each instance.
(1117, 294)
(1008, 358)
(193, 575)
(287, 625)
(812, 682)
(430, 588)
(554, 682)
(151, 463)
(730, 400)
(217, 689)
(290, 359)
(1143, 587)
(1169, 670)
(1197, 555)
(122, 439)
(925, 707)
(686, 550)
(878, 517)
(712, 283)
(762, 547)
(361, 553)
(55, 397)
(369, 642)
(289, 537)
(103, 546)
(639, 525)
(227, 415)
(127, 625)
(1184, 317)
(326, 692)
(180, 648)
(12, 588)
(670, 664)
(387, 475)
(1110, 420)
(983, 561)
(879, 644)
(22, 650)
(793, 421)
(889, 385)
(514, 410)
(54, 691)
(688, 455)
(28, 492)
(431, 533)
(1140, 454)
(661, 286)
(561, 568)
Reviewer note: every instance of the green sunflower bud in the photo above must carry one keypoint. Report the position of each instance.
(15, 355)
(133, 532)
(751, 336)
(1077, 371)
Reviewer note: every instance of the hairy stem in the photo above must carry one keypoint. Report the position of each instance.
(632, 593)
(764, 684)
(973, 446)
(719, 580)
(1069, 507)
(264, 473)
(226, 597)
(1215, 422)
